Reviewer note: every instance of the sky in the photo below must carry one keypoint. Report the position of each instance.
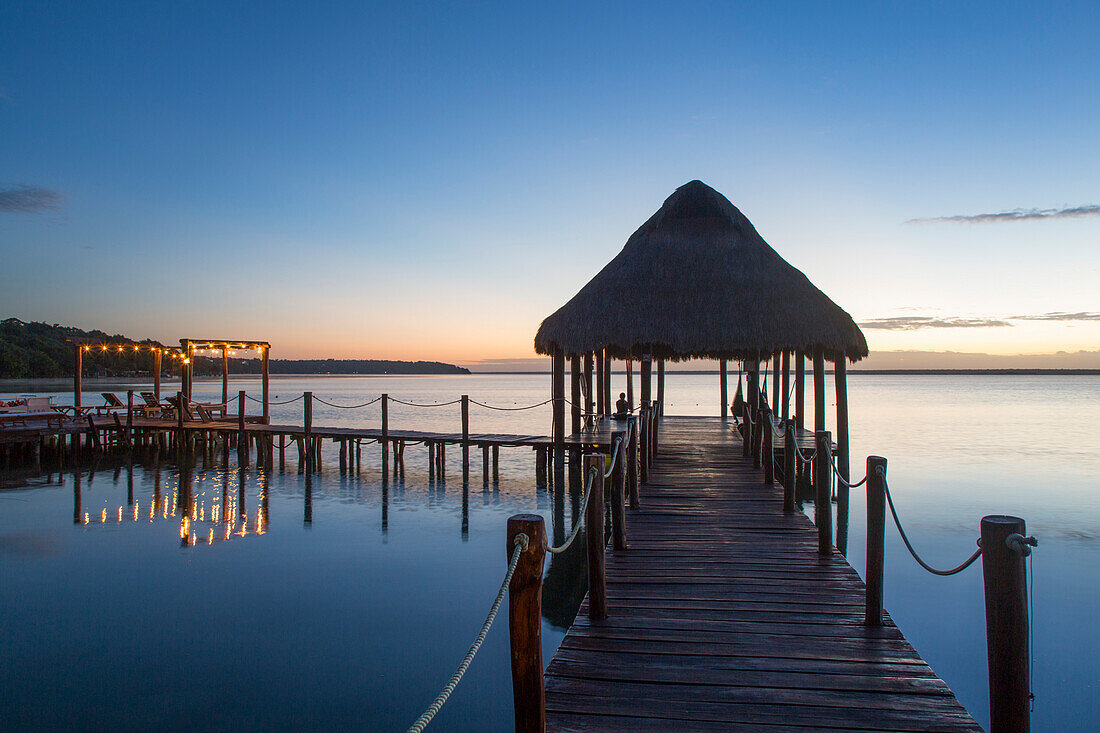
(430, 180)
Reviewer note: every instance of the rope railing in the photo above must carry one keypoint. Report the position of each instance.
(580, 522)
(346, 407)
(909, 546)
(512, 409)
(425, 404)
(521, 544)
(614, 457)
(284, 402)
(841, 479)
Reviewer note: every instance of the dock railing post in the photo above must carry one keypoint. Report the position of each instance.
(129, 418)
(593, 530)
(618, 508)
(179, 421)
(466, 438)
(757, 436)
(823, 500)
(525, 623)
(1004, 549)
(876, 538)
(631, 456)
(386, 431)
(307, 427)
(643, 437)
(790, 463)
(769, 449)
(242, 437)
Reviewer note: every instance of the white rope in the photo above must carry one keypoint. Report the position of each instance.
(614, 457)
(893, 512)
(584, 512)
(841, 479)
(522, 541)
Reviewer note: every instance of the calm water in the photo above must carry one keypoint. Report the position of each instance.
(343, 601)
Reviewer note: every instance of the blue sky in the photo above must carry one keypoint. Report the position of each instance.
(429, 180)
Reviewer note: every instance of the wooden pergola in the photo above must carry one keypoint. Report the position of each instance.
(188, 348)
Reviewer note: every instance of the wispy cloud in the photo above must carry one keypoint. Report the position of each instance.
(1072, 212)
(28, 199)
(916, 323)
(1059, 316)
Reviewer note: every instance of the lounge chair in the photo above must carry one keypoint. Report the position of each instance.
(111, 403)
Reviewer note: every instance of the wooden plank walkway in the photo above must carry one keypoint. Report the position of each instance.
(723, 616)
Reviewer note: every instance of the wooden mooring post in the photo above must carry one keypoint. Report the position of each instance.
(525, 623)
(876, 538)
(307, 427)
(593, 530)
(242, 436)
(790, 463)
(769, 448)
(823, 501)
(1005, 547)
(386, 432)
(631, 456)
(618, 508)
(466, 438)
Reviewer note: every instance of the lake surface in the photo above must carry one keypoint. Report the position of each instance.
(344, 601)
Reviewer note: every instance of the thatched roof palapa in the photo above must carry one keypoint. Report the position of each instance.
(698, 281)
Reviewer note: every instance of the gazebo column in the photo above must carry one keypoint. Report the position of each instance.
(225, 375)
(723, 394)
(558, 394)
(600, 377)
(588, 405)
(608, 398)
(630, 384)
(752, 388)
(819, 389)
(840, 372)
(786, 401)
(575, 393)
(156, 374)
(78, 365)
(799, 389)
(775, 384)
(647, 381)
(661, 387)
(265, 383)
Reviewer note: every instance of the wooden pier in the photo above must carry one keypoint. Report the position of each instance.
(723, 615)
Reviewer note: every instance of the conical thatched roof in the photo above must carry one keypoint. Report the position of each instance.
(698, 281)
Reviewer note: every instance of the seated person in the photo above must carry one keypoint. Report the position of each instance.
(622, 410)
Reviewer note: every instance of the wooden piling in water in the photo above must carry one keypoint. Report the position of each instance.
(466, 436)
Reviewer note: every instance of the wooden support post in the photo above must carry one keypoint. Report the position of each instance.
(819, 389)
(646, 391)
(840, 372)
(752, 390)
(785, 401)
(496, 464)
(307, 427)
(601, 408)
(180, 397)
(631, 456)
(775, 384)
(242, 436)
(618, 508)
(78, 367)
(156, 373)
(630, 385)
(465, 437)
(557, 392)
(660, 391)
(876, 539)
(823, 503)
(593, 530)
(225, 375)
(385, 442)
(723, 388)
(485, 464)
(129, 418)
(757, 437)
(589, 404)
(747, 429)
(790, 463)
(575, 393)
(799, 389)
(608, 402)
(1006, 622)
(265, 383)
(768, 449)
(525, 623)
(643, 438)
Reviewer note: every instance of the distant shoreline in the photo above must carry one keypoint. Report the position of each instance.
(873, 372)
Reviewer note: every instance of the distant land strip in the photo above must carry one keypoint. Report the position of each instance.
(32, 350)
